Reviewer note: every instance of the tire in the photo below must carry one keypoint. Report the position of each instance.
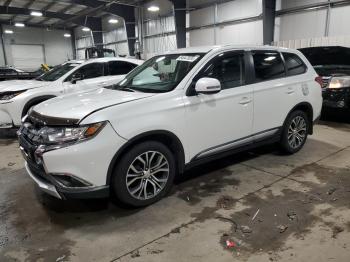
(131, 174)
(293, 140)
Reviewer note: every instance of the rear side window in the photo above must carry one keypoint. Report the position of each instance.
(268, 66)
(120, 67)
(228, 69)
(294, 64)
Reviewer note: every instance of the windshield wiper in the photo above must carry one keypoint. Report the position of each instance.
(127, 89)
(121, 88)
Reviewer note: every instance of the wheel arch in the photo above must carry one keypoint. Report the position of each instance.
(35, 101)
(308, 109)
(165, 137)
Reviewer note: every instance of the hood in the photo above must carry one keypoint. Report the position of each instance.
(327, 55)
(18, 85)
(77, 106)
(329, 60)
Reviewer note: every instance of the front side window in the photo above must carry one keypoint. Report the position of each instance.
(57, 72)
(160, 74)
(120, 68)
(294, 65)
(228, 69)
(268, 65)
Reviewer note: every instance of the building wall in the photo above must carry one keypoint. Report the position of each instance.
(57, 49)
(311, 24)
(114, 36)
(163, 28)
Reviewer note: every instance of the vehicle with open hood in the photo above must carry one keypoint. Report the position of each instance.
(332, 63)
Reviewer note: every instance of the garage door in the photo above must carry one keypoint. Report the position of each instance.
(28, 57)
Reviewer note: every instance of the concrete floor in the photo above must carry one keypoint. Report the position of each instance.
(303, 202)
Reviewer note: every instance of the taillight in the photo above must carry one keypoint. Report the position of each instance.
(319, 80)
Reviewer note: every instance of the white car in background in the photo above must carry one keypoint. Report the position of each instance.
(17, 96)
(175, 111)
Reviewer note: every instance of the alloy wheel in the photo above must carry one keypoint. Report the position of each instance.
(147, 175)
(297, 132)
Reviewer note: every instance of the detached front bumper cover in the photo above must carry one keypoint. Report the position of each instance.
(62, 186)
(336, 98)
(53, 187)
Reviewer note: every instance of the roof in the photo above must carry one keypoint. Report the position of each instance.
(108, 59)
(206, 49)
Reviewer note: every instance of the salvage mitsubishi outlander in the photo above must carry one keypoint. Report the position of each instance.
(175, 111)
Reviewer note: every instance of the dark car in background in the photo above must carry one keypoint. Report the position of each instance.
(12, 73)
(332, 63)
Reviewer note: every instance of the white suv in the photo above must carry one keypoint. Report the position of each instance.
(17, 96)
(175, 111)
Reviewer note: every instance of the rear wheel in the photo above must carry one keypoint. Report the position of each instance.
(295, 132)
(144, 174)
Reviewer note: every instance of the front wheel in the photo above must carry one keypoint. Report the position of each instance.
(144, 174)
(295, 132)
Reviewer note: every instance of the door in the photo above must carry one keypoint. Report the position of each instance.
(221, 121)
(91, 77)
(28, 57)
(274, 96)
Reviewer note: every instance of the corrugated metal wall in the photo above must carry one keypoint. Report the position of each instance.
(117, 40)
(242, 33)
(309, 28)
(159, 36)
(316, 41)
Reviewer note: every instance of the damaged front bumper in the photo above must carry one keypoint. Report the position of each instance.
(62, 186)
(336, 98)
(5, 119)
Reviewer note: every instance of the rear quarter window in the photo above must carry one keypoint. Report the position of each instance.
(294, 64)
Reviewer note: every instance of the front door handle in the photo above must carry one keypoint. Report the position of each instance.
(290, 90)
(245, 101)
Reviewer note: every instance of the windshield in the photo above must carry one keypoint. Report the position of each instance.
(159, 74)
(57, 72)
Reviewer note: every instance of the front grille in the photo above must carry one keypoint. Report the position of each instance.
(31, 133)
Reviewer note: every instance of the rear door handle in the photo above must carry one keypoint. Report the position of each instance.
(245, 101)
(102, 84)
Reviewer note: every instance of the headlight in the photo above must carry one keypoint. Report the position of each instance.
(9, 95)
(61, 135)
(339, 82)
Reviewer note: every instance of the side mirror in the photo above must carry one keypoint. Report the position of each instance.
(207, 86)
(76, 77)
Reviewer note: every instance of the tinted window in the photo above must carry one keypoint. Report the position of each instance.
(7, 71)
(294, 64)
(91, 70)
(120, 68)
(57, 72)
(268, 65)
(228, 69)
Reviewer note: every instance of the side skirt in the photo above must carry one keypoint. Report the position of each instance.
(254, 144)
